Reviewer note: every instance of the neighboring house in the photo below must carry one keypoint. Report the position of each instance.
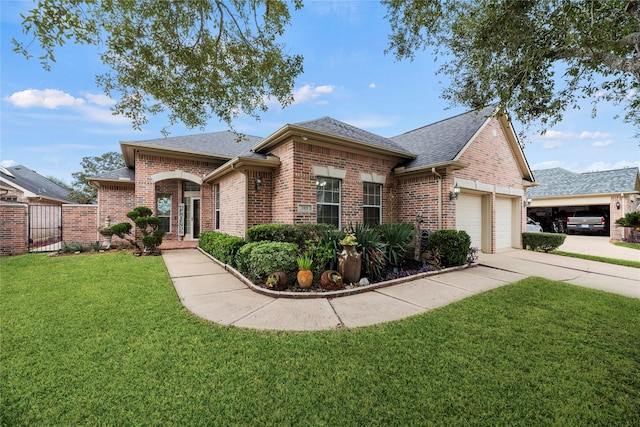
(31, 207)
(23, 185)
(466, 172)
(561, 193)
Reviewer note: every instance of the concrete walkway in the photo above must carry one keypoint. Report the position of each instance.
(209, 291)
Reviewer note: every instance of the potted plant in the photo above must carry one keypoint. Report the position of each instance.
(350, 260)
(277, 280)
(305, 275)
(331, 280)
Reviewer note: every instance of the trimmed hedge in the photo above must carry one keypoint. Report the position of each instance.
(221, 246)
(269, 257)
(290, 233)
(542, 241)
(451, 246)
(243, 256)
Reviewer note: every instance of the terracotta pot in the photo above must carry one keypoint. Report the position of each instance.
(350, 264)
(279, 280)
(305, 278)
(329, 281)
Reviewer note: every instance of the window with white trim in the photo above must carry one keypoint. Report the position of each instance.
(163, 209)
(372, 203)
(328, 201)
(216, 202)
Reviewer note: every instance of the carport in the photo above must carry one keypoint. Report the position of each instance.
(561, 193)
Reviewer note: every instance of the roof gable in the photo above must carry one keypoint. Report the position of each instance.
(443, 141)
(30, 181)
(561, 182)
(335, 127)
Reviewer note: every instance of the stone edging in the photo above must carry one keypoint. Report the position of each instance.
(327, 294)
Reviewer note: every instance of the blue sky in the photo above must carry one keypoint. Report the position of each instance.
(51, 120)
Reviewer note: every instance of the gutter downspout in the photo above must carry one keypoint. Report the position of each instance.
(433, 170)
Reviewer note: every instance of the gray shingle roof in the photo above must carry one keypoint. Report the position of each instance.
(223, 144)
(442, 141)
(124, 174)
(332, 126)
(561, 182)
(37, 184)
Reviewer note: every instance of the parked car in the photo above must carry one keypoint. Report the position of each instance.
(587, 222)
(533, 226)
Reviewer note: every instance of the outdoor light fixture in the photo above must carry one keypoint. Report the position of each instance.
(258, 183)
(527, 202)
(453, 195)
(618, 204)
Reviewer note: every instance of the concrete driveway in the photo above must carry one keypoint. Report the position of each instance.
(598, 246)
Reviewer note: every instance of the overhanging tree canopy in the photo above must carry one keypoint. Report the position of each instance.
(536, 57)
(194, 59)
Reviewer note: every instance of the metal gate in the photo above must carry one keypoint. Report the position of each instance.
(45, 228)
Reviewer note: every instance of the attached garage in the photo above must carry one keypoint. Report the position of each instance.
(506, 219)
(470, 217)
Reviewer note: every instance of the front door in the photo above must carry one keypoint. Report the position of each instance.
(192, 218)
(195, 218)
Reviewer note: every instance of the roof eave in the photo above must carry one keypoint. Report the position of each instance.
(128, 152)
(441, 168)
(242, 164)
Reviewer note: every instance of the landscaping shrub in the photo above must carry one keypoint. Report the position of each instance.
(147, 225)
(242, 257)
(73, 247)
(397, 237)
(221, 246)
(452, 246)
(542, 241)
(290, 233)
(372, 247)
(268, 257)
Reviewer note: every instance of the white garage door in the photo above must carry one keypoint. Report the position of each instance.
(469, 217)
(504, 224)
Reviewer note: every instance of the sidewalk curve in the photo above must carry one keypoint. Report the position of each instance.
(209, 291)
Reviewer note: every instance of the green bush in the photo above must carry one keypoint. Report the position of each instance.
(146, 225)
(242, 257)
(372, 247)
(290, 233)
(545, 242)
(451, 247)
(221, 246)
(397, 237)
(269, 257)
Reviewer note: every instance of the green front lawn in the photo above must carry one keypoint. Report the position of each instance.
(615, 261)
(103, 340)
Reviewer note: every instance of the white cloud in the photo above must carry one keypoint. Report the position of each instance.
(632, 94)
(593, 135)
(51, 99)
(555, 134)
(8, 163)
(553, 144)
(605, 166)
(99, 99)
(372, 85)
(600, 144)
(309, 93)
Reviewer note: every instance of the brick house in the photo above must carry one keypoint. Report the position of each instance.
(466, 172)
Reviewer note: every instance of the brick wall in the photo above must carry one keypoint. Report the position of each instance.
(13, 228)
(294, 182)
(233, 190)
(80, 224)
